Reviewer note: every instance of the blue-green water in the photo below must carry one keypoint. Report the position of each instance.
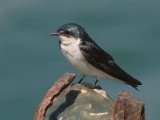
(31, 61)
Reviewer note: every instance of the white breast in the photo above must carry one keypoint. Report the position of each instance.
(70, 49)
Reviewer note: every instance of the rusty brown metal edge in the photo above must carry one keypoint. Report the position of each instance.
(63, 82)
(120, 108)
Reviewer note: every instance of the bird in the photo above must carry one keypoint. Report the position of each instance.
(88, 58)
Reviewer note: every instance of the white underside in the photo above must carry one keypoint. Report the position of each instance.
(70, 49)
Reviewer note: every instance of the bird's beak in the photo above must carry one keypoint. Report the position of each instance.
(55, 33)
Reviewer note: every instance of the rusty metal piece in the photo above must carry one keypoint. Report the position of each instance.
(63, 82)
(128, 108)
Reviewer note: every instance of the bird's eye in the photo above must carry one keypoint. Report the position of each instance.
(67, 32)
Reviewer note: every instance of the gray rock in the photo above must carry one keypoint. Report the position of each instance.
(78, 102)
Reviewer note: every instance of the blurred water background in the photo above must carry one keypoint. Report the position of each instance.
(31, 61)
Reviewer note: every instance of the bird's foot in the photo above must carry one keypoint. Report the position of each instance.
(91, 86)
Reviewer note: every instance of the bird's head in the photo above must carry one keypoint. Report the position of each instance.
(70, 32)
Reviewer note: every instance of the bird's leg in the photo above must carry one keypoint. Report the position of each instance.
(83, 77)
(96, 81)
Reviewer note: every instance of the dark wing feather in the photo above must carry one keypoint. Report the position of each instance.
(103, 61)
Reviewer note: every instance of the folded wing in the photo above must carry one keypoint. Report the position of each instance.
(103, 61)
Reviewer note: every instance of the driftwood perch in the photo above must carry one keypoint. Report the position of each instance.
(82, 102)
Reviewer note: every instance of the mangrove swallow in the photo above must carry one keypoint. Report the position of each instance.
(88, 58)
